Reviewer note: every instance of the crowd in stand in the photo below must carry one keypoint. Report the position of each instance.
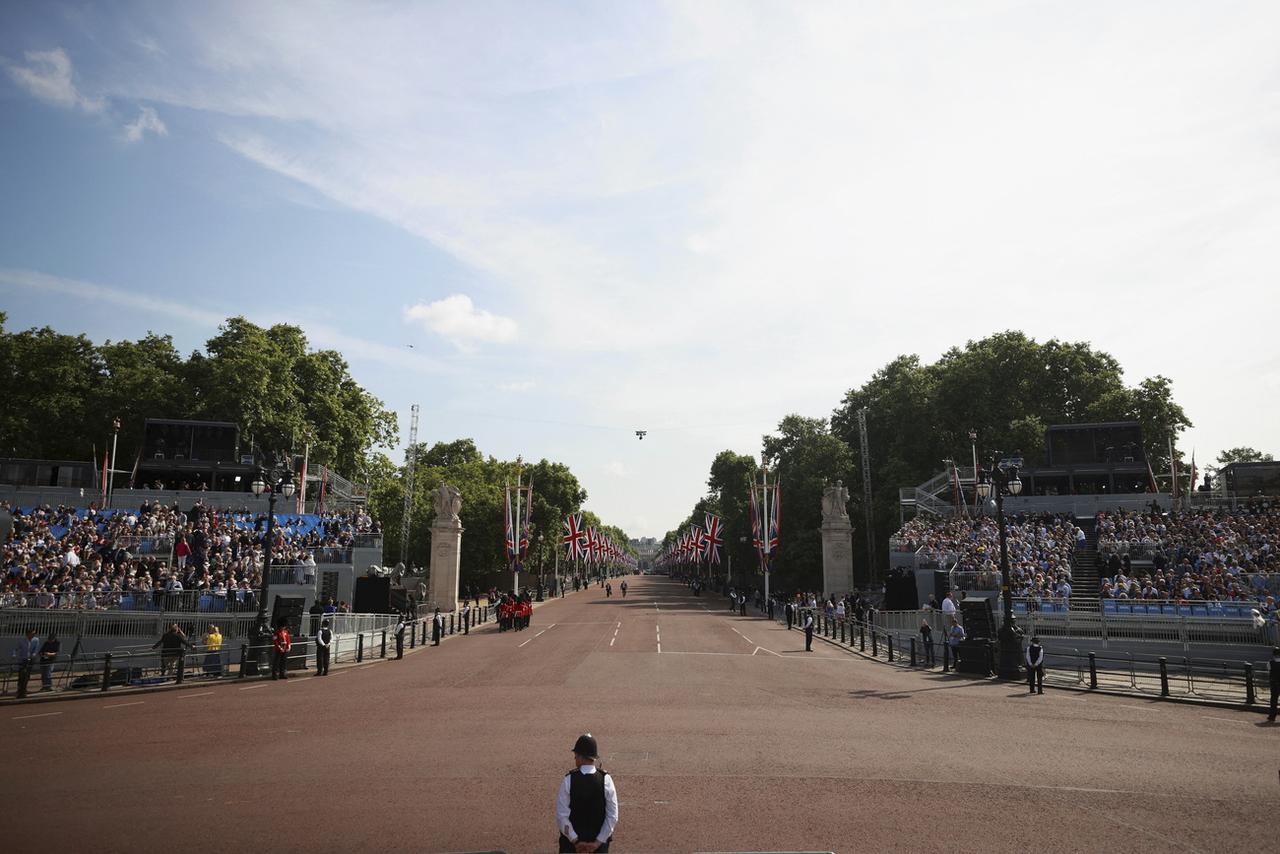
(1040, 551)
(64, 557)
(1214, 555)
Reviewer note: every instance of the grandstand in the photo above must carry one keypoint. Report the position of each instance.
(1206, 566)
(192, 543)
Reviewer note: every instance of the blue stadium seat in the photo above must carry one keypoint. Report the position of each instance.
(205, 603)
(126, 603)
(1199, 611)
(1233, 611)
(1020, 607)
(1108, 606)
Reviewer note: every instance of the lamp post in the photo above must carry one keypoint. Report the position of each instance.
(541, 558)
(111, 475)
(276, 481)
(999, 478)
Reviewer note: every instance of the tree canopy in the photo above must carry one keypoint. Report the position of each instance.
(62, 392)
(482, 481)
(1008, 388)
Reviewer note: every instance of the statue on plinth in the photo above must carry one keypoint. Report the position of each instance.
(834, 502)
(448, 504)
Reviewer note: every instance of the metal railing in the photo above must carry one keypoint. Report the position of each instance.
(356, 638)
(1237, 682)
(1092, 625)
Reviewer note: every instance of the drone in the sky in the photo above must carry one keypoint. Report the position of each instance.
(640, 434)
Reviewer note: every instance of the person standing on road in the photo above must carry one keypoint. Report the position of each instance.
(48, 657)
(786, 609)
(1274, 674)
(171, 644)
(808, 631)
(400, 629)
(587, 805)
(955, 636)
(926, 639)
(742, 604)
(1035, 667)
(437, 627)
(281, 643)
(213, 651)
(623, 585)
(24, 655)
(324, 643)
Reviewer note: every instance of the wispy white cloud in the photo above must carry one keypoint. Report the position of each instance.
(48, 75)
(456, 319)
(718, 212)
(519, 386)
(146, 122)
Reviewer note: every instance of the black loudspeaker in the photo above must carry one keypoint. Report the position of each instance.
(900, 592)
(941, 585)
(290, 608)
(978, 621)
(372, 596)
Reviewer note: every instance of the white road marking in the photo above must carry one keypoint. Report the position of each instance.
(539, 634)
(251, 687)
(659, 647)
(771, 652)
(44, 715)
(1127, 706)
(1228, 720)
(122, 705)
(189, 696)
(612, 641)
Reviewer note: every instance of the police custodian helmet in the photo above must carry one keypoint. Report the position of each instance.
(586, 746)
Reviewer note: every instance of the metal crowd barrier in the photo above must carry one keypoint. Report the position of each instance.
(1235, 682)
(356, 638)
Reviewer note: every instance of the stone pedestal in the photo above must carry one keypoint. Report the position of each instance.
(446, 559)
(837, 556)
(837, 541)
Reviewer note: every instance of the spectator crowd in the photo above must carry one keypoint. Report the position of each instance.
(66, 557)
(1203, 555)
(1040, 551)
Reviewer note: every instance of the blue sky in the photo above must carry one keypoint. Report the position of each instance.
(693, 218)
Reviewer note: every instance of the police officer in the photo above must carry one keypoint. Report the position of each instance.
(324, 642)
(1035, 667)
(808, 631)
(400, 630)
(587, 805)
(1274, 669)
(437, 627)
(787, 608)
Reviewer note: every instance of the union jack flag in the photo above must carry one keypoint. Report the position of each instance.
(508, 527)
(712, 539)
(775, 518)
(574, 539)
(526, 523)
(593, 545)
(756, 542)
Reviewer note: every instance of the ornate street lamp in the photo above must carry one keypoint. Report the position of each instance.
(998, 479)
(275, 481)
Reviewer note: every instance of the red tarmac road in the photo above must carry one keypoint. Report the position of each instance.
(730, 738)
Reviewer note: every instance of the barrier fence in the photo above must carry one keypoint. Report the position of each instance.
(1187, 677)
(356, 638)
(1173, 628)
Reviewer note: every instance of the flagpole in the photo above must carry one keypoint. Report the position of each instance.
(764, 529)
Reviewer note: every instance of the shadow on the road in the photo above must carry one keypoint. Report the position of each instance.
(899, 695)
(1268, 724)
